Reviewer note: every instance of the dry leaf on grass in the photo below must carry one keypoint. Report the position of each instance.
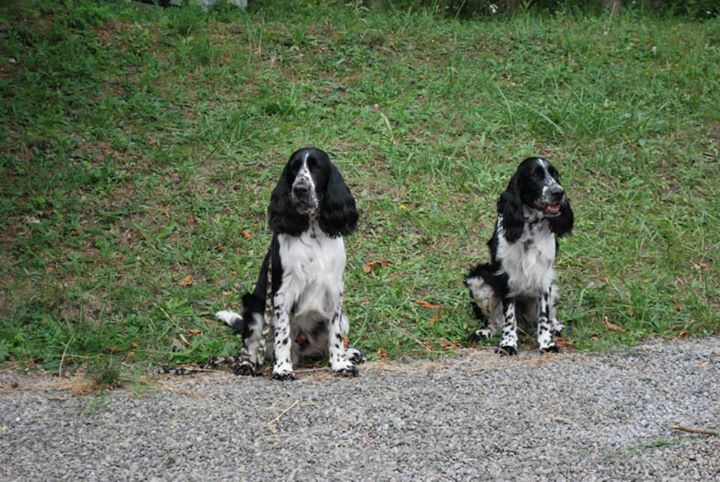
(427, 305)
(81, 386)
(434, 319)
(186, 281)
(247, 234)
(382, 353)
(371, 265)
(563, 343)
(699, 265)
(449, 345)
(613, 327)
(194, 331)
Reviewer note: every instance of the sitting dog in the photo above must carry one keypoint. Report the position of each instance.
(517, 283)
(311, 209)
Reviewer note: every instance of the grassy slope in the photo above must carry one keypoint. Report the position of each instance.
(138, 145)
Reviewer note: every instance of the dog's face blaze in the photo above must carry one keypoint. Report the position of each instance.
(308, 172)
(539, 186)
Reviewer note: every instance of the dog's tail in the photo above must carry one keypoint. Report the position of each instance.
(253, 305)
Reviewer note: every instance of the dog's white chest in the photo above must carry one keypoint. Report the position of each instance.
(313, 267)
(528, 262)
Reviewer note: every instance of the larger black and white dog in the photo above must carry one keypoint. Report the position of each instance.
(311, 209)
(517, 283)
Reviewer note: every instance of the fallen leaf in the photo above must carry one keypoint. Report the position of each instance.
(427, 305)
(191, 219)
(434, 319)
(186, 281)
(194, 331)
(382, 353)
(371, 265)
(449, 345)
(82, 386)
(227, 293)
(699, 265)
(247, 234)
(563, 343)
(613, 327)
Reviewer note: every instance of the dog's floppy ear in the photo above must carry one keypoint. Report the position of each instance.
(282, 215)
(338, 215)
(563, 224)
(510, 207)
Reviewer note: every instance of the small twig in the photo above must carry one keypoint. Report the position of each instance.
(276, 419)
(309, 370)
(413, 338)
(62, 358)
(564, 420)
(704, 431)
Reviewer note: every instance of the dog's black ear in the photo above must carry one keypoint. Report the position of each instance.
(510, 207)
(563, 224)
(338, 215)
(282, 215)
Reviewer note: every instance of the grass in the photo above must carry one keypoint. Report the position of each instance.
(139, 146)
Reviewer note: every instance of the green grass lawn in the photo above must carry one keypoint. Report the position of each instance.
(139, 147)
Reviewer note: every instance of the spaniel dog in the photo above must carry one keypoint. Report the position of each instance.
(311, 209)
(517, 283)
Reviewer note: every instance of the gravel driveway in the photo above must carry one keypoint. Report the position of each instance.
(474, 416)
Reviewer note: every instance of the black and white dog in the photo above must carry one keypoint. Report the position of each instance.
(311, 209)
(518, 282)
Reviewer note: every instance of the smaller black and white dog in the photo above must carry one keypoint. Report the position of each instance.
(518, 282)
(311, 209)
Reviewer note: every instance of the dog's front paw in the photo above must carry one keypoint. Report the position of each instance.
(480, 335)
(507, 349)
(556, 327)
(351, 372)
(341, 365)
(284, 376)
(355, 357)
(283, 370)
(245, 369)
(549, 348)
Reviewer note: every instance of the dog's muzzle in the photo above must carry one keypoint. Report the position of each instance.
(303, 197)
(552, 201)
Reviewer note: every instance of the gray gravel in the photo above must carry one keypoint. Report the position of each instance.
(475, 416)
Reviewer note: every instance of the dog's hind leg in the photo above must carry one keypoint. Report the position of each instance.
(486, 306)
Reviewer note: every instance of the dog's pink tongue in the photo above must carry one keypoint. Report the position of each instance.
(553, 208)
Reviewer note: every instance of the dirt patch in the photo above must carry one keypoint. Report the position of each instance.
(45, 383)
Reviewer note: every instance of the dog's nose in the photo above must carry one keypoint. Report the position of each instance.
(300, 190)
(556, 194)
